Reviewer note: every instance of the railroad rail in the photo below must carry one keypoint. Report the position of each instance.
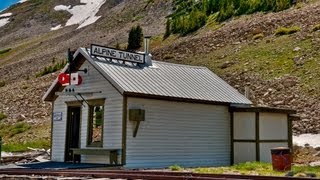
(134, 174)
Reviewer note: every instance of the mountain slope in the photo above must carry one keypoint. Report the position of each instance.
(29, 54)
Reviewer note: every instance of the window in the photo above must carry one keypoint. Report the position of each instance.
(95, 124)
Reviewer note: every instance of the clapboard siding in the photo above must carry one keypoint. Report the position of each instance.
(93, 81)
(59, 131)
(187, 134)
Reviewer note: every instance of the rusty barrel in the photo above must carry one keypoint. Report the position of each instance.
(281, 159)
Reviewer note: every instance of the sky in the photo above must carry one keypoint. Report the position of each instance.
(6, 3)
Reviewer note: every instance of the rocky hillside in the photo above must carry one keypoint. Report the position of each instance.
(281, 71)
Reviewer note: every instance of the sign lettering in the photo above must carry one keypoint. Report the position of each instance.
(106, 52)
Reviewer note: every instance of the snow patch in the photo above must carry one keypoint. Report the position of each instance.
(56, 28)
(5, 15)
(22, 1)
(83, 15)
(62, 8)
(5, 19)
(311, 139)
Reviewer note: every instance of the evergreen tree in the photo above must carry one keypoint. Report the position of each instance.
(168, 29)
(135, 38)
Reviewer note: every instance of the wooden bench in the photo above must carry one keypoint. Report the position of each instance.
(112, 153)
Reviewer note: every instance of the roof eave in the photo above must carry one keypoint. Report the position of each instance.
(179, 99)
(262, 109)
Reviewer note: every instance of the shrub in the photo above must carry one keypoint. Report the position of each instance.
(299, 5)
(26, 86)
(2, 83)
(258, 36)
(135, 38)
(50, 69)
(19, 128)
(285, 31)
(282, 5)
(243, 7)
(267, 5)
(175, 168)
(168, 29)
(189, 22)
(117, 46)
(2, 116)
(248, 6)
(316, 27)
(168, 56)
(226, 13)
(5, 51)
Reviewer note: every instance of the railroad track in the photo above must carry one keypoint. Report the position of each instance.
(130, 174)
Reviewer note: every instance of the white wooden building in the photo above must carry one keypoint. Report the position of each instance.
(155, 114)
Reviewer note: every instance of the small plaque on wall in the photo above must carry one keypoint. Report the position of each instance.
(57, 116)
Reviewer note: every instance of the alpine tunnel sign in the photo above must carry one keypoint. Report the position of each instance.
(111, 53)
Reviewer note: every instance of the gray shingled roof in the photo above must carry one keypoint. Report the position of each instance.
(168, 80)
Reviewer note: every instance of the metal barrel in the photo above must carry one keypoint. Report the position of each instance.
(281, 158)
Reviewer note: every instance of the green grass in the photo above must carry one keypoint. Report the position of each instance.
(18, 137)
(21, 147)
(5, 51)
(2, 116)
(316, 27)
(50, 69)
(287, 30)
(23, 47)
(12, 130)
(258, 36)
(256, 168)
(249, 168)
(175, 168)
(19, 128)
(306, 169)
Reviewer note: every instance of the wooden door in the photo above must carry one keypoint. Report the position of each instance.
(73, 132)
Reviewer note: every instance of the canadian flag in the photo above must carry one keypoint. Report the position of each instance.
(75, 79)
